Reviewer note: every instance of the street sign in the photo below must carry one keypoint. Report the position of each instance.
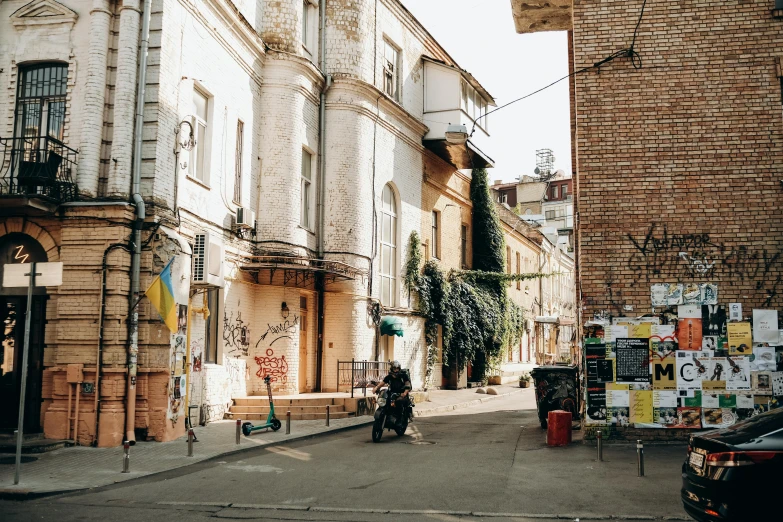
(17, 275)
(29, 275)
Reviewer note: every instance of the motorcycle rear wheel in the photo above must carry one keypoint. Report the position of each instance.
(377, 429)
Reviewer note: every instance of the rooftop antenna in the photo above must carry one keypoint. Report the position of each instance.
(545, 162)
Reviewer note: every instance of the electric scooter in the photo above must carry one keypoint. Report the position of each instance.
(271, 421)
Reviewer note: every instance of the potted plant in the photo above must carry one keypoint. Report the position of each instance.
(524, 380)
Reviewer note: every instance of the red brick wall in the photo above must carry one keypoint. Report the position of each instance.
(681, 159)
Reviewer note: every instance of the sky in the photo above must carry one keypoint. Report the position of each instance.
(480, 36)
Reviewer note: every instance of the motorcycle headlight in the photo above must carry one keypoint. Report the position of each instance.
(381, 401)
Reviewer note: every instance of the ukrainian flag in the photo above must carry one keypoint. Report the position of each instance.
(161, 294)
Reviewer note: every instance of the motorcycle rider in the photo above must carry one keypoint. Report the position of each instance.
(398, 382)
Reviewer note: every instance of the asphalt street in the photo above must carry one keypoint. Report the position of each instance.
(489, 462)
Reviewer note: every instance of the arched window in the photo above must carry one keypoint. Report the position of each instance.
(388, 247)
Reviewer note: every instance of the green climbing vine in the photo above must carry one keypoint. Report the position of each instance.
(472, 306)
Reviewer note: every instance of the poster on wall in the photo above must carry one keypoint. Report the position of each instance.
(740, 338)
(664, 372)
(765, 326)
(690, 372)
(659, 294)
(735, 312)
(702, 368)
(633, 360)
(738, 373)
(691, 294)
(689, 332)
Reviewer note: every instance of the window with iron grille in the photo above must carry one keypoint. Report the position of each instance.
(211, 326)
(391, 65)
(238, 165)
(40, 102)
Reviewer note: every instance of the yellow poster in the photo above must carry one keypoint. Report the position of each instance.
(664, 375)
(740, 338)
(638, 331)
(641, 406)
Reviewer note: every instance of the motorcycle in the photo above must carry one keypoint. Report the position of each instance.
(389, 416)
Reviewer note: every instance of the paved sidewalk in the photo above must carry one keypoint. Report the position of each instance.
(80, 467)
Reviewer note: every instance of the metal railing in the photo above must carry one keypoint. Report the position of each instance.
(360, 374)
(38, 166)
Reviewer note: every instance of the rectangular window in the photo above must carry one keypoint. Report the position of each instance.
(306, 189)
(238, 163)
(464, 246)
(434, 242)
(550, 214)
(564, 191)
(199, 154)
(211, 327)
(554, 192)
(391, 72)
(519, 283)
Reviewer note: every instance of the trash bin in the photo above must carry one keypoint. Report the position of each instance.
(557, 388)
(558, 433)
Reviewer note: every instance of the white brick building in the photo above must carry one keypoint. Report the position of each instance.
(236, 94)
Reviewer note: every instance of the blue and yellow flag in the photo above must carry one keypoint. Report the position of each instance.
(161, 294)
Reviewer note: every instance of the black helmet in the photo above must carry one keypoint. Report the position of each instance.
(395, 366)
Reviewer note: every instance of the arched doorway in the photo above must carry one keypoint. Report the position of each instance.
(20, 248)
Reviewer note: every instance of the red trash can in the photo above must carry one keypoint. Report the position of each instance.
(558, 432)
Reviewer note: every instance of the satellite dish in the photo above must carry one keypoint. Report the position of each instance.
(537, 171)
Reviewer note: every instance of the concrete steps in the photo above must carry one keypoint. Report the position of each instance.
(257, 408)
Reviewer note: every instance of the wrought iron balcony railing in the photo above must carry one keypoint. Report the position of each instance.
(39, 166)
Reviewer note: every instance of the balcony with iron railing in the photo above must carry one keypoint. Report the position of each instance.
(36, 171)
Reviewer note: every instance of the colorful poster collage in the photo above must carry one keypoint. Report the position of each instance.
(698, 364)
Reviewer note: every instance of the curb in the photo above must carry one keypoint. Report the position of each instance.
(20, 494)
(462, 405)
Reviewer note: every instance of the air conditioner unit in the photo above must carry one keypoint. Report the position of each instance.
(246, 218)
(207, 260)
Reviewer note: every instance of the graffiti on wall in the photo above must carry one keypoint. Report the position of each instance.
(284, 330)
(236, 334)
(660, 254)
(275, 367)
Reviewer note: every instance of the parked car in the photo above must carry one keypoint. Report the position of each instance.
(733, 474)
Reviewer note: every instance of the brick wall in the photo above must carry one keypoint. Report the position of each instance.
(681, 156)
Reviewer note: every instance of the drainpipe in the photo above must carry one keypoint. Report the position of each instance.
(133, 347)
(319, 281)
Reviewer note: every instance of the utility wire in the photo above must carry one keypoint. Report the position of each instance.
(630, 52)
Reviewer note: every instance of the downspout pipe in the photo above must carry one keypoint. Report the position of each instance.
(321, 190)
(133, 322)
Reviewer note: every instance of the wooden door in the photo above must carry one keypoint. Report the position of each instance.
(303, 354)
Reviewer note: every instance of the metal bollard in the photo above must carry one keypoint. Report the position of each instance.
(126, 457)
(327, 415)
(190, 443)
(239, 429)
(288, 423)
(600, 446)
(640, 457)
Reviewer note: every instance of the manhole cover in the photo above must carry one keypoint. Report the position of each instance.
(11, 459)
(422, 442)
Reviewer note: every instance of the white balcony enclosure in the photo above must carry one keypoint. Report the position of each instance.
(453, 97)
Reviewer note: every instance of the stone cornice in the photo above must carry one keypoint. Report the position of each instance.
(415, 27)
(238, 25)
(374, 95)
(298, 64)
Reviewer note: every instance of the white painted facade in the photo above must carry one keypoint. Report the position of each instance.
(247, 73)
